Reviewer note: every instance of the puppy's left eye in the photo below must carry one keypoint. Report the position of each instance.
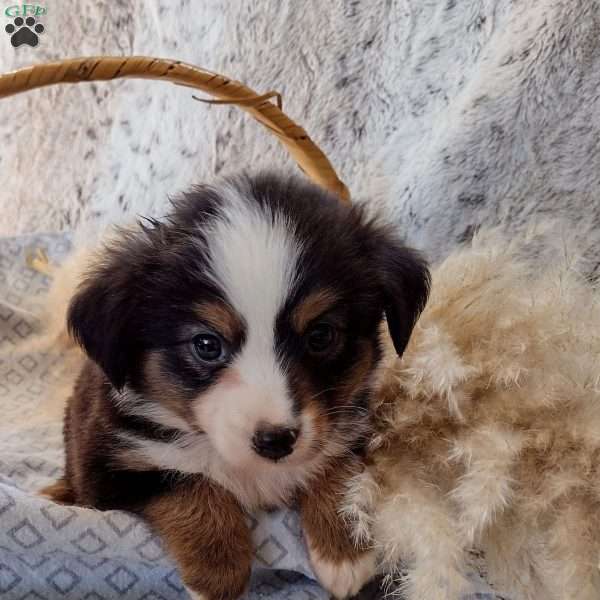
(320, 337)
(209, 348)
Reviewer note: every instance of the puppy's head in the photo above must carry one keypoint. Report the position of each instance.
(251, 316)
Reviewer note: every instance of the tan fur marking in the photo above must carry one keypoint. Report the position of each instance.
(205, 531)
(222, 318)
(319, 510)
(321, 426)
(358, 375)
(59, 491)
(161, 389)
(315, 304)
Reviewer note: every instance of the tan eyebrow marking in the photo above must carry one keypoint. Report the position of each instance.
(160, 386)
(222, 318)
(315, 304)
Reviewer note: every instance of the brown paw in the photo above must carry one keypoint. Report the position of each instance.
(59, 491)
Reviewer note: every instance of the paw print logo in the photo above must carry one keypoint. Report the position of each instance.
(24, 31)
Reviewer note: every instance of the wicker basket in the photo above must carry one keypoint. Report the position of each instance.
(227, 91)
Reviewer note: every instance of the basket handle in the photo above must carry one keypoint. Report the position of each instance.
(305, 152)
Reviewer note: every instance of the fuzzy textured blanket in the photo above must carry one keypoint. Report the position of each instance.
(486, 430)
(450, 114)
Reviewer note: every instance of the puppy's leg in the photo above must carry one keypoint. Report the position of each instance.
(60, 492)
(204, 529)
(341, 566)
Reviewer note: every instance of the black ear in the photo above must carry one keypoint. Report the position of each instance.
(406, 281)
(100, 318)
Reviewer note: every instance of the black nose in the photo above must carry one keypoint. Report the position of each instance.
(274, 442)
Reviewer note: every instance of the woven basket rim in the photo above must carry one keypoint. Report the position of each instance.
(309, 157)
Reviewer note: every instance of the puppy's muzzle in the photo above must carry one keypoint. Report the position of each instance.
(273, 442)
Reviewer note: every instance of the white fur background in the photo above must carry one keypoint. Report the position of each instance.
(450, 113)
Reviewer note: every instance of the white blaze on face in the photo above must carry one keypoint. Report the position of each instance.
(254, 257)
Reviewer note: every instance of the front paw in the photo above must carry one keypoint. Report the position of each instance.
(346, 578)
(217, 584)
(195, 595)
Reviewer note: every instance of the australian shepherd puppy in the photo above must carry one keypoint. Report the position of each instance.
(232, 350)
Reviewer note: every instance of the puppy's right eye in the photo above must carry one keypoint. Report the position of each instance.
(209, 348)
(320, 337)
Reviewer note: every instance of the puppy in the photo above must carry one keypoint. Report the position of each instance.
(232, 351)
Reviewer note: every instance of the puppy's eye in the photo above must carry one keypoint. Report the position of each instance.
(209, 348)
(320, 337)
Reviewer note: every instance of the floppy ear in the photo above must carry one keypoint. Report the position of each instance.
(405, 281)
(100, 319)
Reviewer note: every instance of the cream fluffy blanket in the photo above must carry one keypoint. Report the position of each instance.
(488, 430)
(448, 113)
